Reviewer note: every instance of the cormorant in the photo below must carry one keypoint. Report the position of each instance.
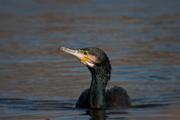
(97, 97)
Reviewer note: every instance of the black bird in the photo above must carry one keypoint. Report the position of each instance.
(97, 96)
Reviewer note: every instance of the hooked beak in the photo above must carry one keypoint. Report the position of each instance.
(86, 59)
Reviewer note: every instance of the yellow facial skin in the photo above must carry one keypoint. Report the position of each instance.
(84, 59)
(87, 58)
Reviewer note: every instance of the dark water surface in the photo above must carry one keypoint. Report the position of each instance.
(141, 37)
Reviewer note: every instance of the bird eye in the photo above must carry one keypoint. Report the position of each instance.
(85, 52)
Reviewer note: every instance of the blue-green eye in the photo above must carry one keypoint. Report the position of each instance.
(85, 52)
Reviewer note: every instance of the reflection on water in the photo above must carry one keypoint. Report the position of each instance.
(97, 114)
(141, 38)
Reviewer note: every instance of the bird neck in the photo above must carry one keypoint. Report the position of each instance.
(100, 78)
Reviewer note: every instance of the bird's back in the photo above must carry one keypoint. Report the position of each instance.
(117, 97)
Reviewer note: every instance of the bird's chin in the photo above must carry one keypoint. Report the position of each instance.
(88, 64)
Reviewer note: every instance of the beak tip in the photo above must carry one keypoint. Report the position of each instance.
(61, 48)
(67, 50)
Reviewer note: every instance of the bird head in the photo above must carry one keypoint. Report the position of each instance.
(91, 57)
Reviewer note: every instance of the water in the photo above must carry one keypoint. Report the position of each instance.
(141, 37)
